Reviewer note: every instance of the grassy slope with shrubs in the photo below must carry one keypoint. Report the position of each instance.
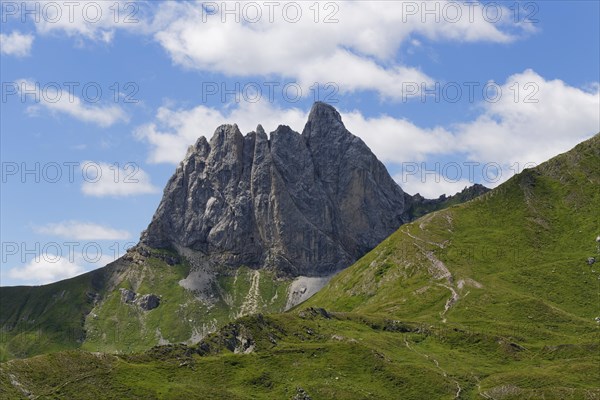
(325, 355)
(87, 312)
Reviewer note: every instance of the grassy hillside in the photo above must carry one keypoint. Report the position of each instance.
(36, 319)
(490, 299)
(115, 326)
(88, 311)
(317, 354)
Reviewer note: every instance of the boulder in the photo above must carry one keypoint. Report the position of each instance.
(127, 296)
(591, 260)
(301, 395)
(148, 302)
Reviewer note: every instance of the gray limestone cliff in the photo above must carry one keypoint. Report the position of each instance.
(301, 204)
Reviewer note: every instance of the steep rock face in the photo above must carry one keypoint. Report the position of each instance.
(302, 204)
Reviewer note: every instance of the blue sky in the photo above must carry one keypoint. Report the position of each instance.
(162, 70)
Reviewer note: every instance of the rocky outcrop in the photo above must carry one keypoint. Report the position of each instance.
(127, 296)
(146, 302)
(303, 204)
(301, 395)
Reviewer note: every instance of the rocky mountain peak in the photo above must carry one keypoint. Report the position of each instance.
(324, 121)
(324, 113)
(301, 204)
(201, 148)
(260, 130)
(225, 134)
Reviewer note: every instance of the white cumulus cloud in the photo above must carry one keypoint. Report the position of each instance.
(79, 230)
(96, 21)
(46, 268)
(357, 51)
(16, 44)
(544, 118)
(109, 180)
(57, 100)
(354, 44)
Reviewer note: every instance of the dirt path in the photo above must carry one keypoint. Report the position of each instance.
(250, 305)
(450, 302)
(440, 245)
(438, 271)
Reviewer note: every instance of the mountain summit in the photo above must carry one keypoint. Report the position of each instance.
(301, 204)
